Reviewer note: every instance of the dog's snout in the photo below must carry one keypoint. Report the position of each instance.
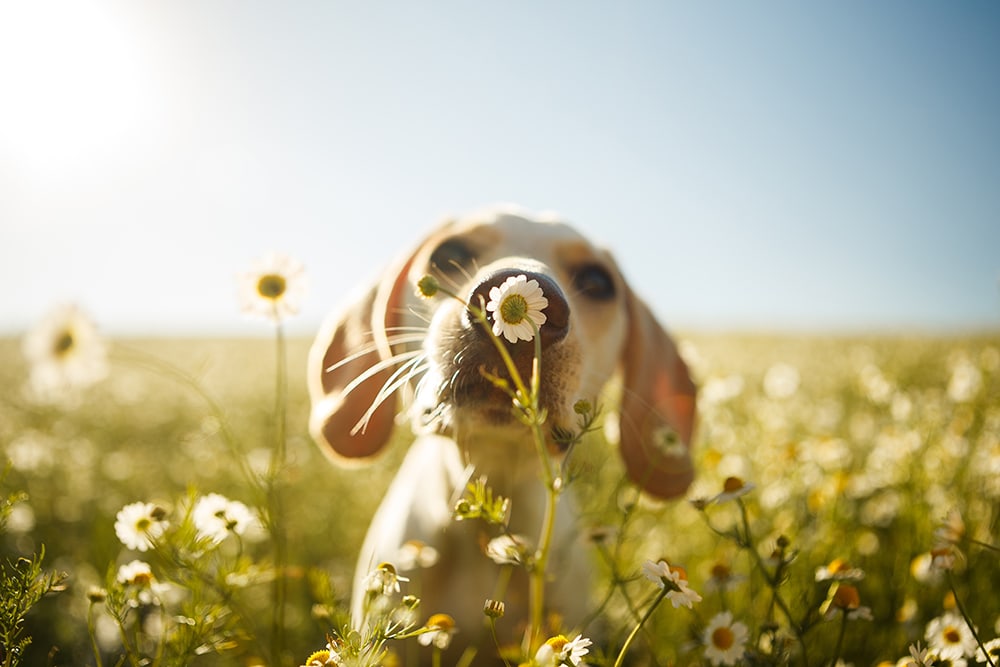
(556, 311)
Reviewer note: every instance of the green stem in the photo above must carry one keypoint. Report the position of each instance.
(840, 639)
(968, 621)
(275, 501)
(635, 631)
(93, 635)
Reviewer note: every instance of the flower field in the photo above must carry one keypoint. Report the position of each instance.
(847, 508)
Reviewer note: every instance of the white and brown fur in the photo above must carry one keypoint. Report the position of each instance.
(390, 341)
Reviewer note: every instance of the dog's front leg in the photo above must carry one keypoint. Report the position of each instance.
(417, 506)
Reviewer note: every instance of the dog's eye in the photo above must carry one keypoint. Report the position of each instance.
(452, 255)
(594, 282)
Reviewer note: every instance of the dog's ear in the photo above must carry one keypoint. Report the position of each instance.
(658, 407)
(349, 344)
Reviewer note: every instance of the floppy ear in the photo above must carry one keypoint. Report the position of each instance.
(658, 407)
(349, 344)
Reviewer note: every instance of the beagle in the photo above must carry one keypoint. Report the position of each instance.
(390, 342)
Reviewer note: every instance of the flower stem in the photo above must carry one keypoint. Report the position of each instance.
(635, 631)
(275, 501)
(968, 621)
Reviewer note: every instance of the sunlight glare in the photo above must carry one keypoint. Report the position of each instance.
(76, 94)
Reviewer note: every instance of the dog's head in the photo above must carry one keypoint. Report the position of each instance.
(390, 339)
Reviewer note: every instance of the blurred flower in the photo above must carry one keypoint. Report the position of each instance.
(414, 554)
(559, 650)
(383, 580)
(672, 579)
(722, 578)
(992, 650)
(513, 304)
(138, 524)
(274, 288)
(781, 381)
(725, 640)
(839, 570)
(507, 549)
(216, 516)
(138, 577)
(733, 488)
(950, 637)
(64, 353)
(844, 598)
(943, 557)
(440, 628)
(965, 380)
(952, 529)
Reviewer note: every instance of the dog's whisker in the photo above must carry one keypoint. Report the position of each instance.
(381, 366)
(400, 377)
(372, 347)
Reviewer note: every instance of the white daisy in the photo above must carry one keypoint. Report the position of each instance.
(559, 650)
(383, 580)
(674, 580)
(507, 549)
(137, 525)
(274, 288)
(725, 640)
(992, 650)
(515, 305)
(64, 353)
(416, 554)
(949, 636)
(138, 577)
(216, 516)
(440, 628)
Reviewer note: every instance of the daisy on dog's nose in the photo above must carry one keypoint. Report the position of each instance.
(515, 305)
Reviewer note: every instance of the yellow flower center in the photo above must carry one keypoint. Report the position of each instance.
(143, 524)
(63, 344)
(318, 658)
(732, 484)
(271, 286)
(846, 597)
(441, 622)
(720, 571)
(557, 643)
(514, 309)
(723, 638)
(952, 635)
(142, 579)
(837, 565)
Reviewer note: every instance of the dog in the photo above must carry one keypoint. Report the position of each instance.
(391, 341)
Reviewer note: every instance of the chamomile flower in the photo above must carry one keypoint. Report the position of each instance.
(732, 488)
(138, 525)
(138, 577)
(64, 353)
(515, 305)
(558, 650)
(507, 549)
(725, 639)
(274, 288)
(839, 570)
(674, 580)
(416, 554)
(216, 517)
(383, 580)
(950, 637)
(440, 628)
(992, 650)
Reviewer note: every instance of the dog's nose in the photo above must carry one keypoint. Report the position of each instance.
(556, 311)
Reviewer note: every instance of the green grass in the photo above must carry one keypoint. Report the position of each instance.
(861, 462)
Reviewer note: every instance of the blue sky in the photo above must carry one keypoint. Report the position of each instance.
(775, 166)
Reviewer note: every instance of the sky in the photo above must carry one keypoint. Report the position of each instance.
(776, 166)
